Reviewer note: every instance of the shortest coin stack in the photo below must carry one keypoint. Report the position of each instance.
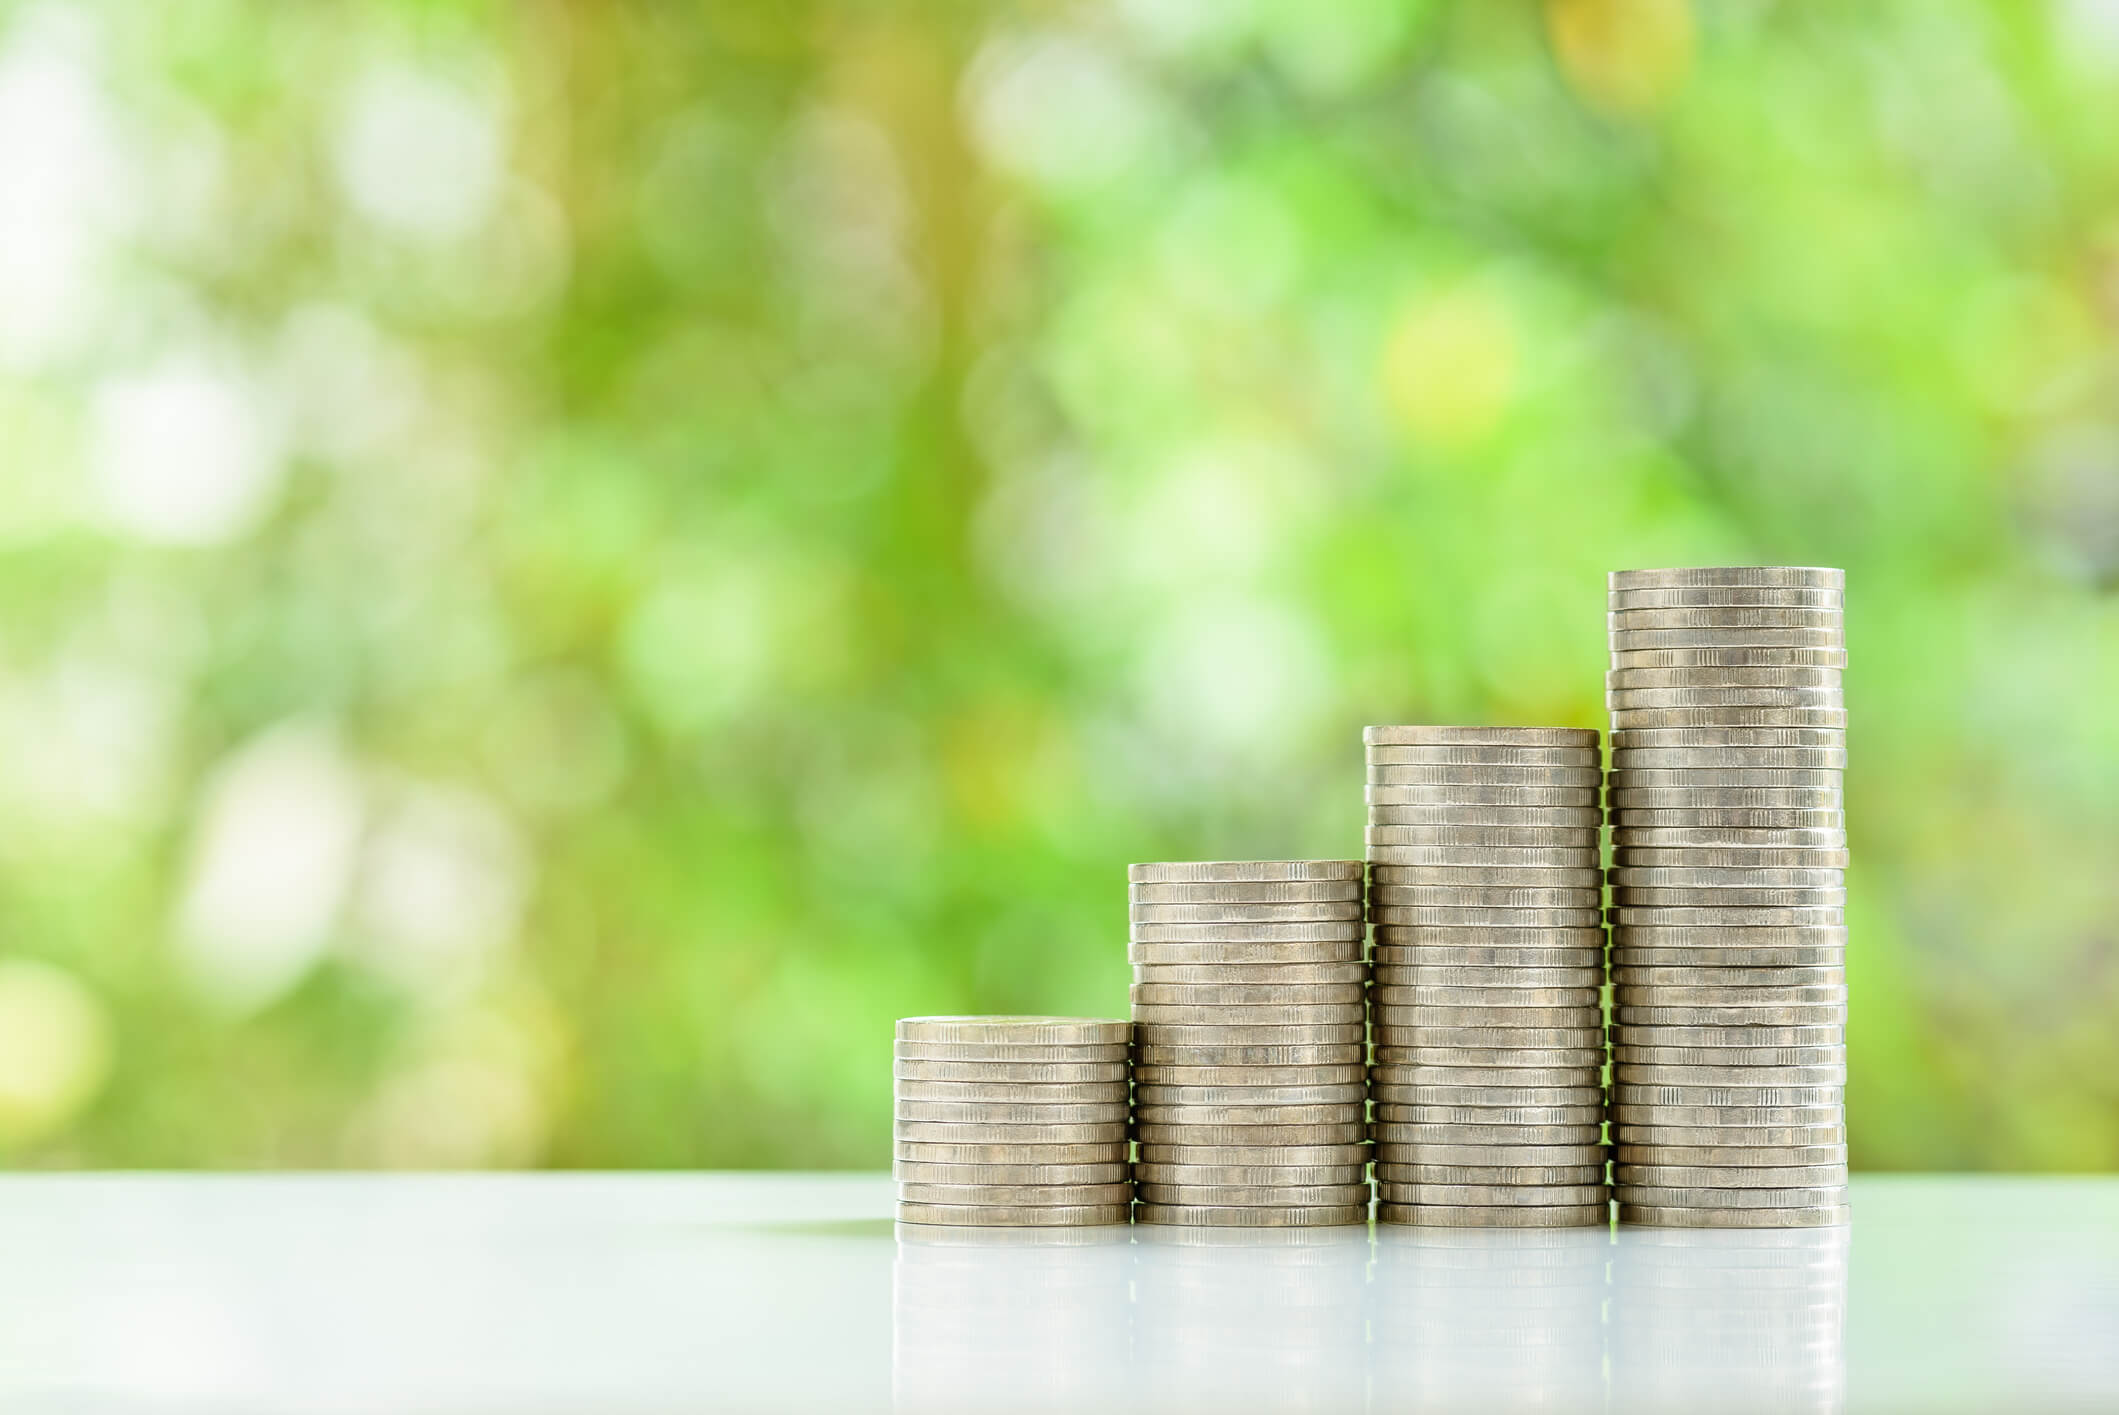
(1011, 1122)
(1248, 1030)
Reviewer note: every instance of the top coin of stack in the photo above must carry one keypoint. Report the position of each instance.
(1248, 1025)
(1728, 896)
(1014, 1122)
(1485, 892)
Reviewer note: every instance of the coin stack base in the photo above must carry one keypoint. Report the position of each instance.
(1248, 1012)
(1485, 891)
(1728, 897)
(1011, 1122)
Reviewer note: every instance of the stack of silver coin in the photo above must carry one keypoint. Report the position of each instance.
(1728, 896)
(1486, 896)
(1248, 1027)
(1015, 1122)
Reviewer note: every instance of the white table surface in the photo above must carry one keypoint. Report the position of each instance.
(732, 1292)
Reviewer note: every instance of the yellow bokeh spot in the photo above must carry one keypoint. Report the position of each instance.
(55, 1049)
(1623, 56)
(1452, 364)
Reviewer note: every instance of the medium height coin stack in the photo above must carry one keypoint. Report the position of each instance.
(1248, 1028)
(1728, 896)
(1486, 896)
(1010, 1121)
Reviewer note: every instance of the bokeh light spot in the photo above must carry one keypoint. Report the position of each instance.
(56, 1049)
(1622, 56)
(1451, 365)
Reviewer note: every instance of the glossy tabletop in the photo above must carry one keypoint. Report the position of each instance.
(731, 1292)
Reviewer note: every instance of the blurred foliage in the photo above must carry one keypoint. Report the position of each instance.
(565, 563)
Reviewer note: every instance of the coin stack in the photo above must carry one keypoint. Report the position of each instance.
(1248, 1025)
(1485, 893)
(1011, 1122)
(1728, 896)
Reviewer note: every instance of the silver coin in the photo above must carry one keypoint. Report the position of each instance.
(1494, 1216)
(1771, 962)
(1402, 1113)
(1578, 1058)
(1667, 1176)
(1720, 839)
(1778, 1136)
(1469, 1196)
(1532, 1077)
(1340, 910)
(1832, 1058)
(1477, 944)
(1020, 1092)
(1401, 786)
(1171, 1139)
(1247, 1196)
(1693, 1116)
(1246, 994)
(1768, 863)
(1388, 1093)
(1735, 1218)
(1217, 1115)
(1706, 878)
(1009, 1071)
(1803, 762)
(1354, 1154)
(1396, 877)
(1491, 896)
(1343, 950)
(1583, 772)
(1833, 1034)
(1391, 994)
(1422, 1015)
(1385, 818)
(1625, 704)
(1633, 1096)
(1388, 753)
(1333, 1054)
(1019, 1031)
(1346, 1073)
(1250, 975)
(1499, 1038)
(1636, 897)
(1088, 1155)
(1726, 779)
(1407, 863)
(1705, 937)
(1391, 1132)
(1457, 1174)
(1382, 840)
(1206, 1216)
(1025, 1195)
(1732, 656)
(968, 1052)
(1640, 719)
(1733, 917)
(1636, 1073)
(1727, 818)
(1246, 892)
(1829, 596)
(1724, 736)
(1009, 1112)
(1822, 577)
(1250, 871)
(1427, 916)
(1154, 1095)
(990, 1133)
(1581, 738)
(1009, 1216)
(1225, 1176)
(1167, 1034)
(1733, 1157)
(1792, 1015)
(1313, 931)
(1491, 978)
(1730, 994)
(1726, 616)
(1727, 798)
(1218, 1014)
(1820, 1196)
(1635, 640)
(1050, 1175)
(1505, 1156)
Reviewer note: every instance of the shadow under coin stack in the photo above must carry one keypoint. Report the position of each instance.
(1010, 1122)
(1728, 896)
(1485, 892)
(1248, 1027)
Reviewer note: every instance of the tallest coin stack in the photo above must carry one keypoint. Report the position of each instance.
(1728, 896)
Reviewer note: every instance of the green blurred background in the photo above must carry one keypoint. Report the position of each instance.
(562, 564)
